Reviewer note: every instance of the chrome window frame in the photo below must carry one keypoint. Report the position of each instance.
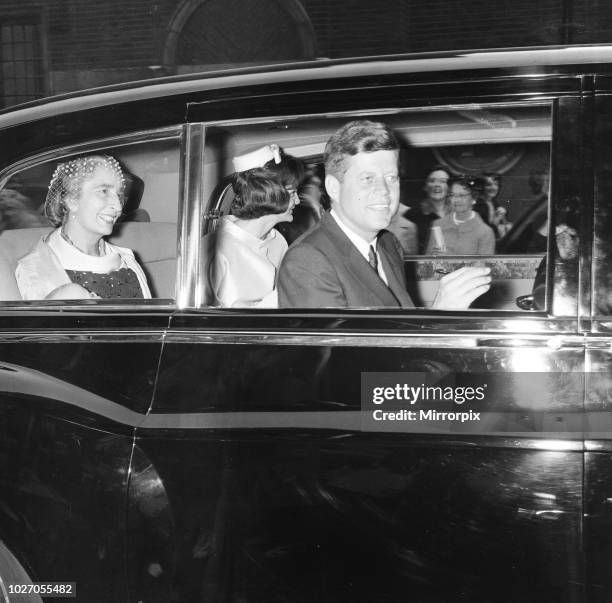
(206, 213)
(91, 146)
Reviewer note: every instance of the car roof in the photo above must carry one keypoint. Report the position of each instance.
(533, 58)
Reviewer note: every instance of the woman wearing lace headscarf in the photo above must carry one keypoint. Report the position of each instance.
(74, 261)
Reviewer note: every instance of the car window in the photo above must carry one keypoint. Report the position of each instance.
(488, 164)
(144, 223)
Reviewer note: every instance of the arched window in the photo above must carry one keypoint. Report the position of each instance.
(230, 32)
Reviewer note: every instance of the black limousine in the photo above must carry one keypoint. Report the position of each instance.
(170, 449)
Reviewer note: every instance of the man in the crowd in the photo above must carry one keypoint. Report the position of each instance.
(348, 259)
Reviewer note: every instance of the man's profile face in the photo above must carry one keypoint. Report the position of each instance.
(367, 197)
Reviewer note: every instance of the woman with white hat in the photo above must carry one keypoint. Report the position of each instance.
(247, 250)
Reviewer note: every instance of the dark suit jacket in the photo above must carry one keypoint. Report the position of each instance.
(323, 269)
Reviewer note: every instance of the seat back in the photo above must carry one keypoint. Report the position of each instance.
(153, 243)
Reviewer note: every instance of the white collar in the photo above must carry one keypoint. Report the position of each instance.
(229, 223)
(362, 245)
(457, 221)
(72, 258)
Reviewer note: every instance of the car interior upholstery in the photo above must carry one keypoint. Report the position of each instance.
(153, 243)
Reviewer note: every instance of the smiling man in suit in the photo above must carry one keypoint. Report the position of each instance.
(348, 259)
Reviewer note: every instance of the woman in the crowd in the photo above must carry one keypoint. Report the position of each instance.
(247, 249)
(486, 190)
(434, 206)
(487, 205)
(74, 261)
(462, 232)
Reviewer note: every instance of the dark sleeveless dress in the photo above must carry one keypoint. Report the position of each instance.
(122, 283)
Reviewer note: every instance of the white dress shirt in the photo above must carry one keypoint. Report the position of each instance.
(362, 245)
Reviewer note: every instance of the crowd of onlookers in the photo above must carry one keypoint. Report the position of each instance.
(458, 215)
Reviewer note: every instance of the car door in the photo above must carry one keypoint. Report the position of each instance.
(77, 376)
(599, 361)
(279, 482)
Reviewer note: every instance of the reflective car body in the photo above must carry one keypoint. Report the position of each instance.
(173, 451)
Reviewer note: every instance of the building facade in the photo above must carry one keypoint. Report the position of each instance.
(55, 46)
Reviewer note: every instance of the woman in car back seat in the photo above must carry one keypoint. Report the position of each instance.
(74, 261)
(247, 249)
(294, 175)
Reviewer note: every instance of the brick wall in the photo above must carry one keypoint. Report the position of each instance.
(592, 20)
(437, 24)
(358, 27)
(109, 34)
(92, 43)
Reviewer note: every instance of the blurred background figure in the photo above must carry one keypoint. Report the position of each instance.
(486, 190)
(16, 211)
(405, 230)
(487, 204)
(565, 258)
(537, 234)
(530, 229)
(502, 226)
(462, 232)
(433, 207)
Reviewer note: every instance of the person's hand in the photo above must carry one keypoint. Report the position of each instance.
(461, 287)
(71, 291)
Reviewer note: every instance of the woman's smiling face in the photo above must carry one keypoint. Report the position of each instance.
(98, 205)
(436, 185)
(461, 199)
(294, 199)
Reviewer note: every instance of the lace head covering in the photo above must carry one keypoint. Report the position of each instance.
(67, 181)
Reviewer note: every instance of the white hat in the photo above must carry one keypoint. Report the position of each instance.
(257, 158)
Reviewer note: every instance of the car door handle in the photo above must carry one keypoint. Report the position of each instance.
(526, 302)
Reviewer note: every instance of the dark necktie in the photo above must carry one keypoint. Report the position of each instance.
(373, 259)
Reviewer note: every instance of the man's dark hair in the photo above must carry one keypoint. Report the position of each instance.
(362, 136)
(259, 192)
(439, 167)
